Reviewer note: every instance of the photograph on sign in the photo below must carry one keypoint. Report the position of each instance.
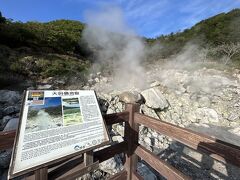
(56, 124)
(71, 111)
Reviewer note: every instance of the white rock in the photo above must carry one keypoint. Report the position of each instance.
(147, 140)
(154, 98)
(155, 83)
(149, 134)
(45, 86)
(117, 138)
(112, 165)
(97, 80)
(130, 97)
(59, 81)
(191, 117)
(148, 111)
(204, 101)
(120, 130)
(154, 134)
(110, 111)
(104, 79)
(119, 106)
(207, 114)
(91, 76)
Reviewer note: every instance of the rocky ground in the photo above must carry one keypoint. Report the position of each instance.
(203, 99)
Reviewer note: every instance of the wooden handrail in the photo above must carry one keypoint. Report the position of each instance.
(7, 139)
(106, 153)
(159, 165)
(61, 169)
(213, 147)
(116, 117)
(78, 171)
(100, 156)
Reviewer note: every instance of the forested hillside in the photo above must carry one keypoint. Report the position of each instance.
(40, 50)
(218, 31)
(56, 36)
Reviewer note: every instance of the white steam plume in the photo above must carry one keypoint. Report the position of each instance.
(116, 43)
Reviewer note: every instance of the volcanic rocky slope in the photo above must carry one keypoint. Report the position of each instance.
(204, 99)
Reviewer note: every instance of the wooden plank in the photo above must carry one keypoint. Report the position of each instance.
(53, 166)
(41, 174)
(215, 148)
(131, 137)
(100, 155)
(116, 117)
(160, 165)
(30, 177)
(7, 139)
(78, 172)
(110, 151)
(136, 176)
(119, 176)
(63, 168)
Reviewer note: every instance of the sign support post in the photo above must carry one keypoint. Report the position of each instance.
(41, 174)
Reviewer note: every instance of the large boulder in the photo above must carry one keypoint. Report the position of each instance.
(10, 97)
(12, 124)
(131, 97)
(154, 98)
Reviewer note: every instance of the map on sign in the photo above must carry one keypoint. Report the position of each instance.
(56, 124)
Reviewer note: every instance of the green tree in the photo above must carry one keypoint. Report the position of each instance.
(2, 19)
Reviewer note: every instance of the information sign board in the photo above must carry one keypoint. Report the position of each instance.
(54, 125)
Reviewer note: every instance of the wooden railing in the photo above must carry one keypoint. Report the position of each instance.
(82, 164)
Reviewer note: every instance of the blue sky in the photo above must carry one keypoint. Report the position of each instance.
(148, 18)
(49, 102)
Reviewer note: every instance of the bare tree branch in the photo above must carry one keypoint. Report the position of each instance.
(229, 50)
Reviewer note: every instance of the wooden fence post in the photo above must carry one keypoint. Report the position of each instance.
(131, 137)
(41, 174)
